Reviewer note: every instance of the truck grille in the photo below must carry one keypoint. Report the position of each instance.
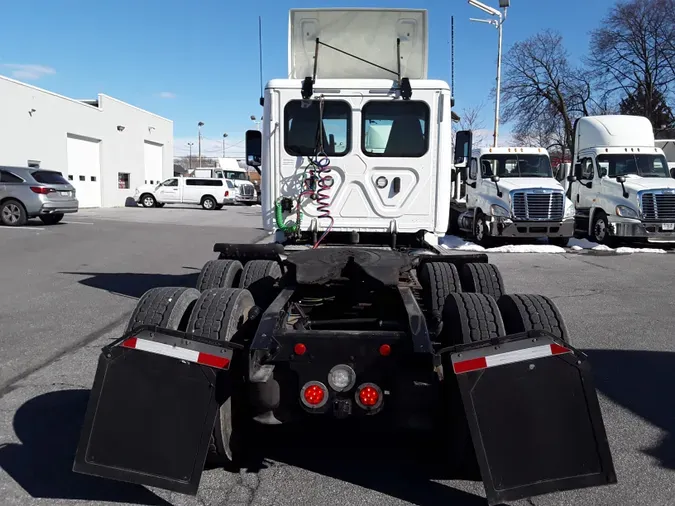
(658, 206)
(538, 206)
(246, 190)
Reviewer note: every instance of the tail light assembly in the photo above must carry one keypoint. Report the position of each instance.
(42, 190)
(314, 395)
(369, 397)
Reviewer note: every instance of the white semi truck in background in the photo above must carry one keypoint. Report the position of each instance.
(510, 192)
(668, 147)
(621, 184)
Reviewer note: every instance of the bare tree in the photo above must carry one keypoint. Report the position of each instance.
(541, 88)
(633, 54)
(470, 119)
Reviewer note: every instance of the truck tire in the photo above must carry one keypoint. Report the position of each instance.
(532, 312)
(218, 314)
(438, 280)
(259, 278)
(467, 318)
(482, 278)
(481, 232)
(167, 307)
(470, 317)
(219, 274)
(148, 200)
(600, 232)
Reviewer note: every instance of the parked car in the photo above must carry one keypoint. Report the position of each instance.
(210, 193)
(34, 193)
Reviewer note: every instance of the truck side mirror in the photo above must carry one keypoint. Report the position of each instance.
(495, 179)
(621, 179)
(463, 141)
(577, 170)
(253, 148)
(571, 178)
(603, 171)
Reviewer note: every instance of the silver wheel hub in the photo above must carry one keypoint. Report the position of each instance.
(479, 229)
(147, 201)
(11, 213)
(208, 204)
(600, 230)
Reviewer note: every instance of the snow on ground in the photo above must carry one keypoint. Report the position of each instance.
(459, 244)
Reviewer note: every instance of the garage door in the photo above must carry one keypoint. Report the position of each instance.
(153, 163)
(84, 170)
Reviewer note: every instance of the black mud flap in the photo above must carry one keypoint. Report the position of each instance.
(534, 417)
(152, 409)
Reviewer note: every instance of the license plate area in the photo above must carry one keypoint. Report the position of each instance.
(65, 194)
(666, 227)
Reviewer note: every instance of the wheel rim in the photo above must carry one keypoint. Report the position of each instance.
(208, 203)
(11, 213)
(479, 229)
(600, 230)
(147, 201)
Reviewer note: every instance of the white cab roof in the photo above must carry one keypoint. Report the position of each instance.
(334, 86)
(230, 164)
(369, 34)
(614, 131)
(502, 150)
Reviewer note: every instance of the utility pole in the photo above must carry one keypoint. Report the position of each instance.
(224, 137)
(190, 144)
(200, 125)
(497, 23)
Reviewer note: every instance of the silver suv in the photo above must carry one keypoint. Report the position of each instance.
(34, 193)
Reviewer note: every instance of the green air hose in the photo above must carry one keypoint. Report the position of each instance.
(279, 215)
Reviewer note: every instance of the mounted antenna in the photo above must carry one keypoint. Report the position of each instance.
(262, 99)
(452, 61)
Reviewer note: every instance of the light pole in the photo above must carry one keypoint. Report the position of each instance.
(200, 125)
(190, 144)
(224, 137)
(497, 23)
(257, 122)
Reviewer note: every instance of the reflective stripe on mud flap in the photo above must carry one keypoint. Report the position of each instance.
(492, 356)
(198, 357)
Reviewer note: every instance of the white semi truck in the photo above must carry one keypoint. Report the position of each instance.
(353, 312)
(668, 147)
(510, 192)
(621, 184)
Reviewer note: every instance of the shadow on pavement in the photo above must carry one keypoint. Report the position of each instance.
(49, 429)
(642, 382)
(396, 464)
(134, 284)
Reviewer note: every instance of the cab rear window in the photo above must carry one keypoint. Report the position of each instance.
(395, 129)
(301, 127)
(48, 177)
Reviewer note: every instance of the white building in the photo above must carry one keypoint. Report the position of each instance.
(104, 147)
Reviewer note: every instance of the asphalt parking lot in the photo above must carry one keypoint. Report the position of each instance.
(69, 289)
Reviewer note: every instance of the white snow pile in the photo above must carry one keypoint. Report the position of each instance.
(582, 244)
(457, 243)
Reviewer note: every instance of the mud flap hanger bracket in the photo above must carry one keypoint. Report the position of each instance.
(402, 82)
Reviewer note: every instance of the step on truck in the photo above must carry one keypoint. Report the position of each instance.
(353, 313)
(509, 192)
(621, 185)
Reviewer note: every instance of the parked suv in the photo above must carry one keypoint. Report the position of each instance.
(34, 193)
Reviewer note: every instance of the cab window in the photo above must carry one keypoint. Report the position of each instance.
(473, 171)
(586, 169)
(302, 135)
(170, 182)
(395, 128)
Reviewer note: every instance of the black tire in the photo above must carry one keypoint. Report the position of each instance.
(219, 274)
(470, 317)
(482, 278)
(13, 214)
(532, 312)
(148, 200)
(51, 219)
(259, 278)
(209, 203)
(438, 280)
(219, 207)
(167, 307)
(467, 318)
(600, 232)
(159, 204)
(559, 241)
(218, 314)
(481, 232)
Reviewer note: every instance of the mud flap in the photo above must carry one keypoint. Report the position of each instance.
(534, 417)
(151, 410)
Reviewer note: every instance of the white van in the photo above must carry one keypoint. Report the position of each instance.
(210, 193)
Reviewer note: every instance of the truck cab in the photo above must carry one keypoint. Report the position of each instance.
(509, 192)
(668, 147)
(621, 187)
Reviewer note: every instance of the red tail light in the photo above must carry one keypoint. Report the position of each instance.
(42, 190)
(314, 394)
(227, 193)
(369, 396)
(300, 349)
(385, 350)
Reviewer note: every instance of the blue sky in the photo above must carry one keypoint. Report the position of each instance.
(197, 60)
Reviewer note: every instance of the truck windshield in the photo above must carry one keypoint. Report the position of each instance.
(635, 164)
(239, 176)
(516, 165)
